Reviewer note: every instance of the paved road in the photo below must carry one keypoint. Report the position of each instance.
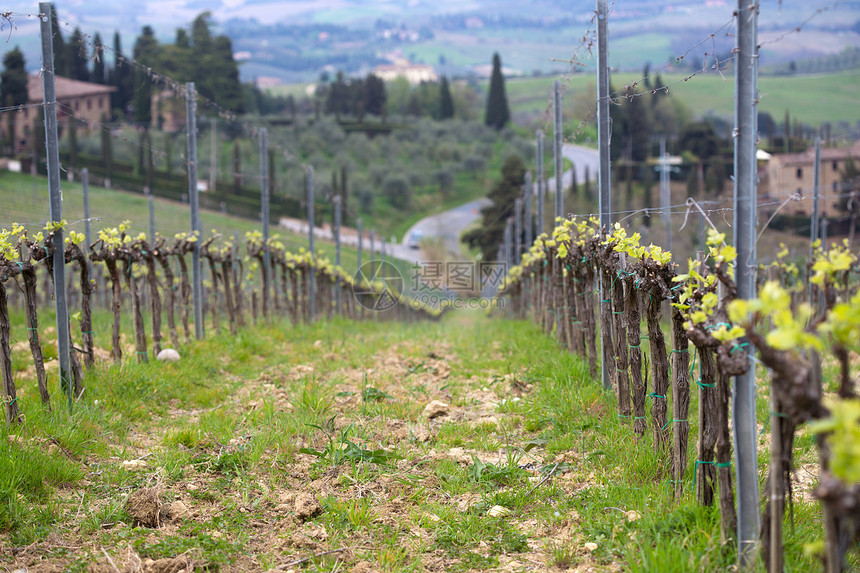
(447, 226)
(450, 224)
(580, 157)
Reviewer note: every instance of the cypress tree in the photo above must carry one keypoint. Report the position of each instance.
(76, 57)
(145, 51)
(122, 78)
(60, 63)
(498, 113)
(98, 74)
(13, 86)
(446, 102)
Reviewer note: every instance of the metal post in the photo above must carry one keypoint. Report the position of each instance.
(743, 403)
(559, 164)
(213, 153)
(518, 230)
(824, 223)
(508, 247)
(528, 196)
(372, 254)
(56, 201)
(312, 281)
(603, 134)
(264, 204)
(360, 241)
(337, 215)
(151, 200)
(665, 194)
(540, 181)
(814, 222)
(194, 200)
(85, 183)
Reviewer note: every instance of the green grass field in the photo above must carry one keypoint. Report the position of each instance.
(287, 442)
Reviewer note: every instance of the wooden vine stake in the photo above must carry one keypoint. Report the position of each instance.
(28, 274)
(8, 269)
(106, 250)
(148, 254)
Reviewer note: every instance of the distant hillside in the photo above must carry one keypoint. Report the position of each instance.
(294, 41)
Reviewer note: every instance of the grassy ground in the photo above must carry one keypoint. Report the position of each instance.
(286, 442)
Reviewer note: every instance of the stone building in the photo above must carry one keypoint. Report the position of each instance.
(83, 103)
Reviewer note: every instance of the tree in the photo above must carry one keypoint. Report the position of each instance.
(219, 76)
(76, 57)
(489, 236)
(374, 95)
(98, 74)
(145, 52)
(337, 96)
(13, 86)
(700, 139)
(60, 63)
(497, 114)
(446, 102)
(396, 189)
(121, 77)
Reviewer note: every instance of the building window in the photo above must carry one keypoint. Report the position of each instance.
(835, 166)
(77, 105)
(835, 186)
(800, 172)
(89, 104)
(101, 102)
(800, 191)
(26, 130)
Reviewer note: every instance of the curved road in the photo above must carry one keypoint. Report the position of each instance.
(449, 225)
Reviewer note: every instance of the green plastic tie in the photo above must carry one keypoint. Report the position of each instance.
(620, 369)
(679, 351)
(725, 465)
(638, 417)
(696, 468)
(87, 332)
(605, 301)
(737, 346)
(617, 312)
(670, 421)
(719, 324)
(654, 395)
(33, 329)
(703, 385)
(778, 414)
(632, 346)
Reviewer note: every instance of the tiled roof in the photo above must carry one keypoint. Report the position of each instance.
(65, 88)
(808, 157)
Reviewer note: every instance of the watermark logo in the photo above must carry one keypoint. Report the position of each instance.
(461, 277)
(378, 285)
